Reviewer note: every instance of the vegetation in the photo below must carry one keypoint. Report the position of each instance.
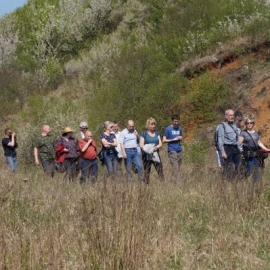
(64, 61)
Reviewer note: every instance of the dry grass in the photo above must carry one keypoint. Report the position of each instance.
(202, 224)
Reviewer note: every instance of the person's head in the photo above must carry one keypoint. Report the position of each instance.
(46, 129)
(151, 123)
(175, 120)
(249, 123)
(115, 127)
(229, 115)
(108, 125)
(67, 132)
(130, 126)
(83, 126)
(88, 135)
(8, 132)
(238, 117)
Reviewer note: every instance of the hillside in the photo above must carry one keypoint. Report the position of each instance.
(98, 60)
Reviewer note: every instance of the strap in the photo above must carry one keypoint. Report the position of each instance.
(252, 140)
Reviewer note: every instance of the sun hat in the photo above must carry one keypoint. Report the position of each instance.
(67, 130)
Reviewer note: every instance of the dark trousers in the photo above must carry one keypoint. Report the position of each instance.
(231, 163)
(48, 167)
(89, 168)
(70, 165)
(147, 169)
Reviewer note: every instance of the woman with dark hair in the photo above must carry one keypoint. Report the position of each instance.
(109, 143)
(150, 144)
(251, 144)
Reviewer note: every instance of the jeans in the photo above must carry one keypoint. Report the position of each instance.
(176, 162)
(48, 167)
(133, 156)
(89, 167)
(147, 168)
(231, 163)
(253, 168)
(12, 162)
(111, 162)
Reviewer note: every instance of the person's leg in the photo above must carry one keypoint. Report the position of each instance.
(48, 167)
(15, 163)
(173, 158)
(84, 170)
(94, 170)
(128, 163)
(253, 166)
(159, 169)
(10, 163)
(138, 163)
(146, 168)
(108, 162)
(73, 169)
(229, 165)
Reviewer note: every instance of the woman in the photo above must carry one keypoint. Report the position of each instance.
(109, 143)
(68, 145)
(251, 145)
(150, 144)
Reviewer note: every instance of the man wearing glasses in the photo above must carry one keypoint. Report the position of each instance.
(173, 135)
(128, 140)
(228, 145)
(9, 144)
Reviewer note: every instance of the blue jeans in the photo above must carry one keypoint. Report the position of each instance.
(133, 156)
(253, 168)
(89, 167)
(12, 162)
(111, 162)
(231, 163)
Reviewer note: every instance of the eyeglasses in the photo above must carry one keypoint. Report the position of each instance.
(249, 123)
(84, 127)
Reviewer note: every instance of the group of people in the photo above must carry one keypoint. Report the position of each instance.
(73, 152)
(238, 148)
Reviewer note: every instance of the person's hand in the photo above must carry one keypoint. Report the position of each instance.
(224, 156)
(37, 162)
(65, 150)
(155, 148)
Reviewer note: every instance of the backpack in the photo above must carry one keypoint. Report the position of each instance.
(216, 135)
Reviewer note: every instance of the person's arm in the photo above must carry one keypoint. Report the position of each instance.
(221, 136)
(141, 142)
(36, 156)
(12, 142)
(159, 144)
(240, 139)
(263, 146)
(85, 146)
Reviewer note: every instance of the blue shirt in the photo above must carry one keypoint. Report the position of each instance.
(128, 139)
(171, 133)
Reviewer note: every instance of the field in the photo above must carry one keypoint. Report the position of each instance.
(203, 223)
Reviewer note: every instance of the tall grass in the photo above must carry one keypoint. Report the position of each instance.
(204, 223)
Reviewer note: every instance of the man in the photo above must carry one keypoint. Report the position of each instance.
(128, 140)
(78, 136)
(10, 144)
(228, 145)
(173, 135)
(44, 151)
(118, 147)
(83, 128)
(89, 162)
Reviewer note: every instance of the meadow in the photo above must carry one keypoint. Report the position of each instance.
(202, 223)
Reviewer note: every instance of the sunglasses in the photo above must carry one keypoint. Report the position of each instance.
(251, 123)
